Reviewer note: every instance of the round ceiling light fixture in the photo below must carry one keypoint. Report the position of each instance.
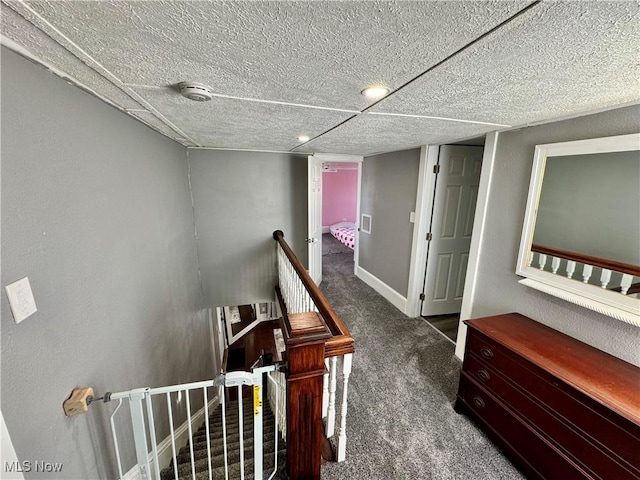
(375, 92)
(304, 138)
(196, 91)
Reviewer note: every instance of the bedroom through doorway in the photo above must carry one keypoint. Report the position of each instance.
(340, 181)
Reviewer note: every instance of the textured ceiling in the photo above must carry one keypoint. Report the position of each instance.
(278, 69)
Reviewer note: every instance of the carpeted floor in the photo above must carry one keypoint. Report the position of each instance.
(401, 423)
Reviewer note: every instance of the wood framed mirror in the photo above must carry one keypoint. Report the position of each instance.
(581, 233)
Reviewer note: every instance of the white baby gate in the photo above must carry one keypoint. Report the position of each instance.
(144, 423)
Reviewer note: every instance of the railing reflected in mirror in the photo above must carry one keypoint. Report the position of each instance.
(581, 234)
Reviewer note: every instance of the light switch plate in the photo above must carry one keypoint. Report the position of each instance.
(412, 217)
(21, 299)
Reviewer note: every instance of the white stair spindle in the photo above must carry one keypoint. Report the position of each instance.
(605, 278)
(571, 268)
(331, 412)
(542, 260)
(587, 270)
(342, 431)
(530, 258)
(325, 389)
(555, 264)
(626, 283)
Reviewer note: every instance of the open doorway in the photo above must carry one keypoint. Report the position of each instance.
(339, 216)
(337, 207)
(339, 212)
(449, 197)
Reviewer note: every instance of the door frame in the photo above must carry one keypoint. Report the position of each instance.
(340, 158)
(429, 155)
(424, 208)
(453, 304)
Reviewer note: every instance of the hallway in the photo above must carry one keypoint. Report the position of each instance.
(401, 423)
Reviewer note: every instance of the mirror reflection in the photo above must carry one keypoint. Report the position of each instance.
(581, 232)
(591, 204)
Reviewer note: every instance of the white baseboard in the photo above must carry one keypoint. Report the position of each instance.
(326, 229)
(383, 289)
(165, 453)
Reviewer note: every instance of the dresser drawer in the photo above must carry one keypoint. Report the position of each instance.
(582, 448)
(542, 460)
(620, 439)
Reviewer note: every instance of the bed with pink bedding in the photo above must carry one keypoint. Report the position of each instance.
(345, 232)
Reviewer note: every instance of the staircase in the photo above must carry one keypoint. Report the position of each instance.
(201, 461)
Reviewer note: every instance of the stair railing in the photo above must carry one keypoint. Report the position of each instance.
(303, 304)
(151, 461)
(616, 276)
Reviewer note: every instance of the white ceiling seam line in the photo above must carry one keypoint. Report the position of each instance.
(88, 60)
(18, 49)
(249, 99)
(326, 131)
(577, 114)
(289, 104)
(144, 87)
(430, 69)
(23, 52)
(227, 149)
(454, 54)
(447, 119)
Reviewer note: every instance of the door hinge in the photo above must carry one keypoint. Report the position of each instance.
(422, 296)
(429, 237)
(436, 169)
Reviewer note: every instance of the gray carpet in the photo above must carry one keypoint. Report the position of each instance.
(401, 423)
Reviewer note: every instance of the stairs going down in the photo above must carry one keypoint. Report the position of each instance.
(201, 462)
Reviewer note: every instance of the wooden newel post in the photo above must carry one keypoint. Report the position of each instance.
(305, 335)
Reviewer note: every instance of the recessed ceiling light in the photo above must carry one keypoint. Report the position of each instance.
(304, 138)
(375, 92)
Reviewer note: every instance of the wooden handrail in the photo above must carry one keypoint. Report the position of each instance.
(588, 259)
(341, 341)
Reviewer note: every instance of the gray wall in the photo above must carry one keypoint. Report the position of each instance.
(498, 290)
(591, 204)
(240, 198)
(389, 186)
(96, 212)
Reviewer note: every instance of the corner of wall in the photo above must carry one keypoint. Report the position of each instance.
(479, 225)
(383, 289)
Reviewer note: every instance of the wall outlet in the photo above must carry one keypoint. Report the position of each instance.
(21, 299)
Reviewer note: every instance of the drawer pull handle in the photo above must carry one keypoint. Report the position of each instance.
(478, 402)
(483, 375)
(486, 352)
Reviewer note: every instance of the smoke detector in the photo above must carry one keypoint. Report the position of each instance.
(196, 91)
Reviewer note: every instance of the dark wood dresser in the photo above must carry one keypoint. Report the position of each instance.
(556, 406)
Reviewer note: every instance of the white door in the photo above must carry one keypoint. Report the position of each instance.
(451, 225)
(314, 234)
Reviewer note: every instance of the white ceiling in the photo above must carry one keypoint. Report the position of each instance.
(279, 69)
